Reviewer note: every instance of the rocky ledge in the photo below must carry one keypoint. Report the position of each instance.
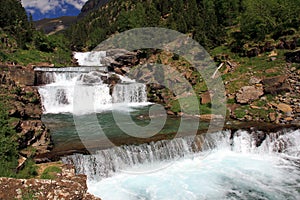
(67, 186)
(23, 103)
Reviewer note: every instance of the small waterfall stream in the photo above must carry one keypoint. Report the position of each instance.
(59, 86)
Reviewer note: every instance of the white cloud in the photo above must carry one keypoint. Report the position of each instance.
(47, 5)
(76, 3)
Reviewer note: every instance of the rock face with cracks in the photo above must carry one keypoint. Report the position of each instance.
(23, 103)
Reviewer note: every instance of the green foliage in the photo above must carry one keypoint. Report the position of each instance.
(29, 170)
(190, 105)
(263, 17)
(9, 151)
(240, 112)
(13, 20)
(22, 44)
(8, 145)
(28, 195)
(200, 19)
(231, 101)
(50, 172)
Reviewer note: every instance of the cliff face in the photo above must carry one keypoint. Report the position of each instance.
(23, 103)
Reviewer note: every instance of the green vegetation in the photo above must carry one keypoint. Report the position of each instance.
(241, 112)
(190, 105)
(210, 22)
(243, 31)
(9, 151)
(51, 172)
(22, 44)
(8, 147)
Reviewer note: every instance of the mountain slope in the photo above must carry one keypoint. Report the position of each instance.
(54, 25)
(90, 6)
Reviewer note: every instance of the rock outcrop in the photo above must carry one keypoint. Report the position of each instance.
(120, 60)
(24, 107)
(66, 186)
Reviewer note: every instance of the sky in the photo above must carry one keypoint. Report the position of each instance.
(40, 9)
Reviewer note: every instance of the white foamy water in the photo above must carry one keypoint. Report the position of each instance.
(224, 169)
(83, 88)
(89, 58)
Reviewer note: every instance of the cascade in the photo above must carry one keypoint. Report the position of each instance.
(129, 93)
(59, 86)
(106, 163)
(229, 167)
(90, 58)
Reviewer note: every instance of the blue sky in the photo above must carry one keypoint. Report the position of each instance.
(53, 8)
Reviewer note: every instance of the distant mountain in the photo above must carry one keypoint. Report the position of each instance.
(53, 8)
(58, 15)
(54, 25)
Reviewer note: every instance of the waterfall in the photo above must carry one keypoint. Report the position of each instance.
(105, 163)
(89, 58)
(243, 165)
(129, 93)
(59, 87)
(49, 75)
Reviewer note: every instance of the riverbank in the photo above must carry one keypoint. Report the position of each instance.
(264, 98)
(19, 81)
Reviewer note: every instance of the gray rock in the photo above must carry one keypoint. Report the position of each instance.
(248, 94)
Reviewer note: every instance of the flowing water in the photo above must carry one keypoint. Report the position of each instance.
(223, 168)
(223, 165)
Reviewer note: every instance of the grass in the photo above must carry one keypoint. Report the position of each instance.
(259, 66)
(51, 172)
(190, 105)
(25, 57)
(241, 112)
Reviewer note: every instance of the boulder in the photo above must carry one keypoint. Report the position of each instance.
(25, 108)
(119, 58)
(293, 57)
(274, 81)
(22, 75)
(276, 85)
(254, 80)
(253, 52)
(205, 98)
(284, 108)
(272, 117)
(248, 94)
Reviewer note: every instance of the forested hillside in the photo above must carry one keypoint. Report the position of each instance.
(22, 44)
(210, 22)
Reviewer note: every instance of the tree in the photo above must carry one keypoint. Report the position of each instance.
(13, 20)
